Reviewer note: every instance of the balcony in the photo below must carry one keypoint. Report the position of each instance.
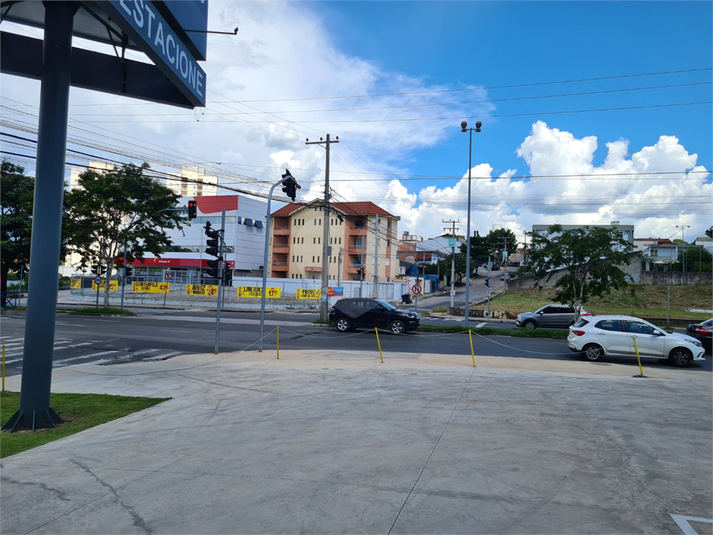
(281, 230)
(281, 249)
(280, 266)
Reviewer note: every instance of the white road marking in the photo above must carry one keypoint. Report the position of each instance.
(480, 325)
(89, 356)
(683, 523)
(13, 340)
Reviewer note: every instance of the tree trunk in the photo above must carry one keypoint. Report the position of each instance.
(107, 281)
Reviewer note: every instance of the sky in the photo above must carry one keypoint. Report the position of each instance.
(591, 112)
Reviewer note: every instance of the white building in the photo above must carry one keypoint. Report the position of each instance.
(193, 182)
(244, 239)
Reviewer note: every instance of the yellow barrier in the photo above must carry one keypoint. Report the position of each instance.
(278, 342)
(470, 335)
(641, 370)
(379, 344)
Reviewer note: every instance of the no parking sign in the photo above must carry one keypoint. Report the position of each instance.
(416, 289)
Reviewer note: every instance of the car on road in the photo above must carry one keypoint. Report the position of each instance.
(351, 313)
(621, 336)
(549, 316)
(702, 331)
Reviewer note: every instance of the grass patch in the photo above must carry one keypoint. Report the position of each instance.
(97, 311)
(78, 412)
(320, 322)
(440, 309)
(644, 301)
(557, 334)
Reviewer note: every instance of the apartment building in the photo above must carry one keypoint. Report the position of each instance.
(193, 182)
(362, 242)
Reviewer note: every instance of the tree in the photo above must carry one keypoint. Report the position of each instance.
(116, 209)
(17, 196)
(591, 257)
(709, 232)
(484, 247)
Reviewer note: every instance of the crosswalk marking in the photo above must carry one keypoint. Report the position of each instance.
(57, 363)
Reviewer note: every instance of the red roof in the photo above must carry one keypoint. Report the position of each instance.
(348, 208)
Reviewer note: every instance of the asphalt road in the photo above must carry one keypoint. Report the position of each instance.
(163, 334)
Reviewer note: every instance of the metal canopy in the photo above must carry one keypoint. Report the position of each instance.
(177, 83)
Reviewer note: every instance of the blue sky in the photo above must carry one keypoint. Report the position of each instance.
(376, 73)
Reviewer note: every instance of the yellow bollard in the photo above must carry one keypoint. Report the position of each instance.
(278, 342)
(3, 368)
(379, 344)
(470, 335)
(641, 370)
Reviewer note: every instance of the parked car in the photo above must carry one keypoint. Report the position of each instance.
(549, 316)
(598, 336)
(348, 314)
(702, 331)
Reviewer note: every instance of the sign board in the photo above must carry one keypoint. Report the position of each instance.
(155, 37)
(452, 242)
(75, 284)
(335, 290)
(255, 292)
(113, 285)
(309, 294)
(151, 287)
(97, 279)
(168, 275)
(416, 289)
(202, 289)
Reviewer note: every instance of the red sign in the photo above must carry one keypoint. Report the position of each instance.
(416, 289)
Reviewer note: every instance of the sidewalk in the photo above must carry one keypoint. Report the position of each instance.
(336, 441)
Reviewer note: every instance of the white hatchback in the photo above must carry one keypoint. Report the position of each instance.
(598, 336)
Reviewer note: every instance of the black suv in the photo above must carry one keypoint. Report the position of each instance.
(348, 314)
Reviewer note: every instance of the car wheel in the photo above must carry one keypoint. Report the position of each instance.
(343, 325)
(680, 357)
(529, 324)
(593, 352)
(397, 327)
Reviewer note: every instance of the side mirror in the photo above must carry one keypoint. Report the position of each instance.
(657, 332)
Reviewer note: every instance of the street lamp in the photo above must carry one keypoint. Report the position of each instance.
(464, 128)
(683, 239)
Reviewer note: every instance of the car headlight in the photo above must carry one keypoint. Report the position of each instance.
(697, 343)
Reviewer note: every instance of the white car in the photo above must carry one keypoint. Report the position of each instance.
(599, 336)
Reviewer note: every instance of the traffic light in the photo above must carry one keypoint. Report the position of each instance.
(487, 282)
(98, 269)
(192, 210)
(214, 249)
(290, 185)
(214, 270)
(360, 271)
(128, 271)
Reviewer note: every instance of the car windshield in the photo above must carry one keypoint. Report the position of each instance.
(387, 305)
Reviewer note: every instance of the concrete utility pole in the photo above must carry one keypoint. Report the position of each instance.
(375, 290)
(323, 308)
(453, 258)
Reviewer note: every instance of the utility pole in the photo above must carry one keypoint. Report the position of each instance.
(375, 290)
(453, 258)
(323, 308)
(339, 267)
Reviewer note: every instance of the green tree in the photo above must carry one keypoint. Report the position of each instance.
(591, 257)
(17, 196)
(491, 246)
(116, 209)
(709, 232)
(695, 259)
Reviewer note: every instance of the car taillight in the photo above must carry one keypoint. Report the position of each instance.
(578, 333)
(702, 330)
(585, 314)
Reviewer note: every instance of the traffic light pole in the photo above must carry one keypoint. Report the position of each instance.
(264, 265)
(220, 281)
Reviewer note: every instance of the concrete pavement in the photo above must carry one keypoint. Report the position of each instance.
(337, 442)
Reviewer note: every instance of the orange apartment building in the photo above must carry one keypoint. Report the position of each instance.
(296, 230)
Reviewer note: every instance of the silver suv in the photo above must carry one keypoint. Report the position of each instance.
(549, 316)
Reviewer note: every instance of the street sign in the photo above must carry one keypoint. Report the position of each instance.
(168, 276)
(97, 280)
(416, 289)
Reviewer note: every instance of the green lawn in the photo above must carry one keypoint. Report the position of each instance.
(77, 411)
(635, 300)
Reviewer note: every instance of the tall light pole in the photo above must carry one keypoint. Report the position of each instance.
(464, 128)
(683, 239)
